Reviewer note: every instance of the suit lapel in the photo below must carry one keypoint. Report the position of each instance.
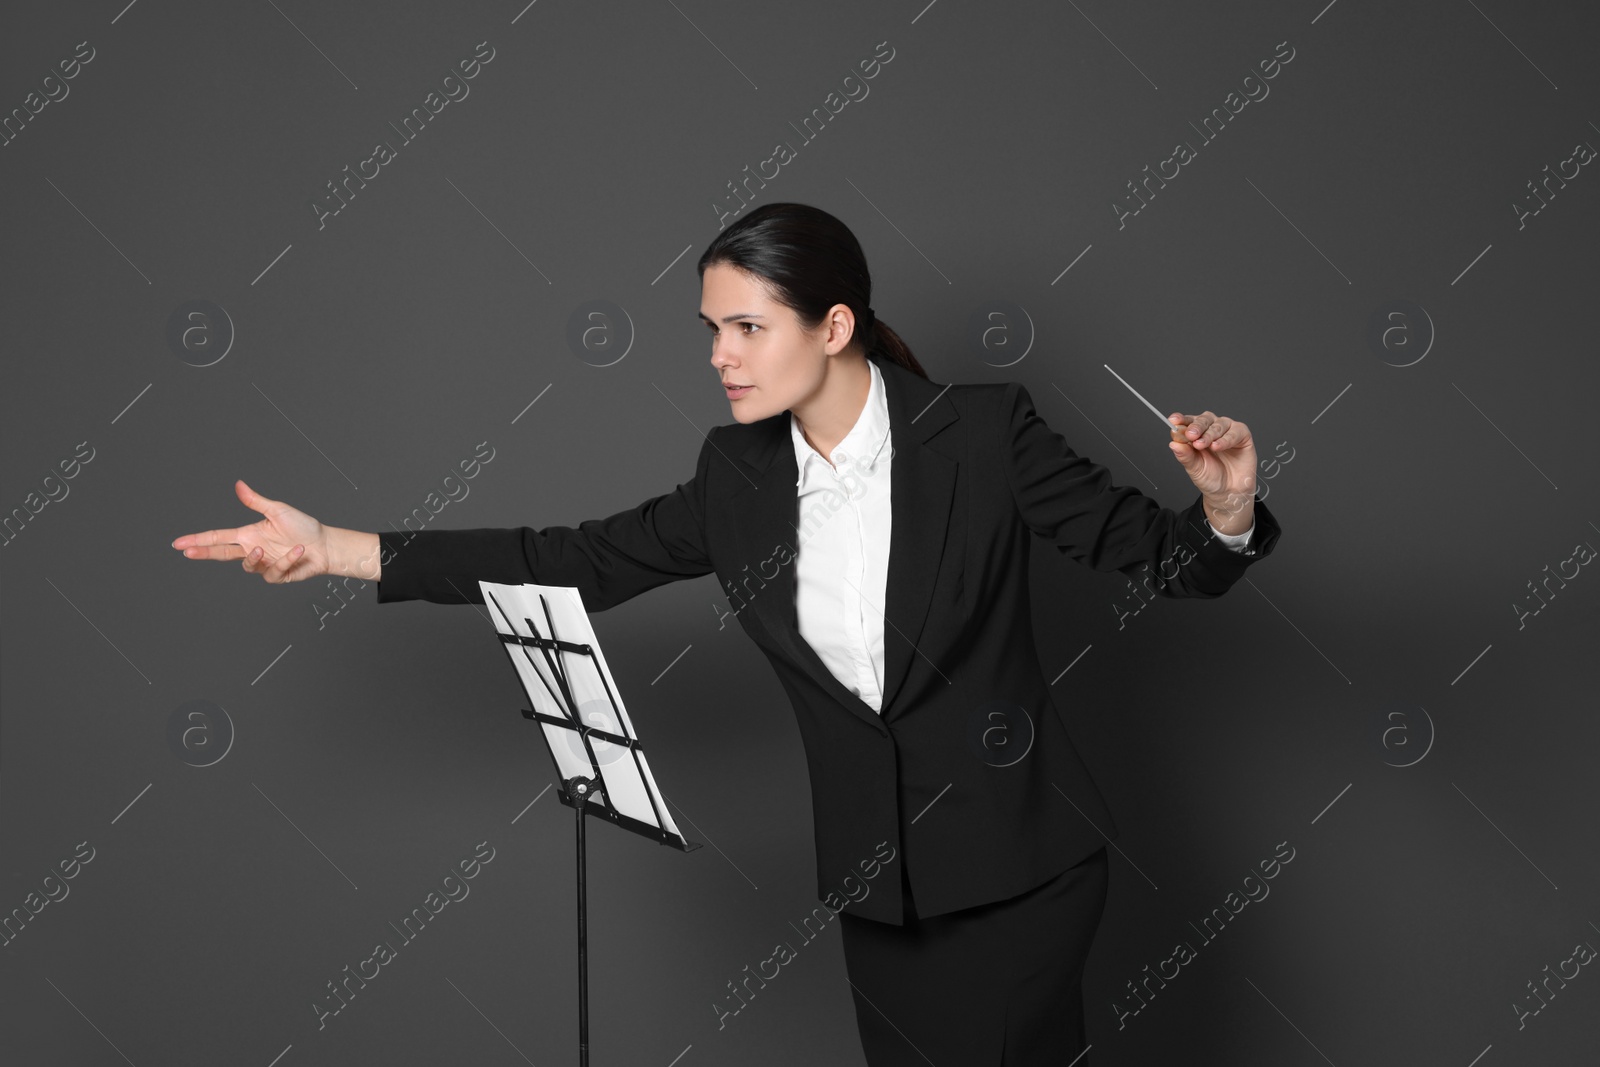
(767, 514)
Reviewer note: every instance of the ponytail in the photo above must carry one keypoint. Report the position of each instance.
(885, 342)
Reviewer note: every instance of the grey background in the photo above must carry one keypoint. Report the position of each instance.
(367, 754)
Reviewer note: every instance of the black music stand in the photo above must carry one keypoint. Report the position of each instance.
(562, 669)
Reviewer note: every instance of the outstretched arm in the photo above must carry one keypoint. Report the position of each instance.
(609, 560)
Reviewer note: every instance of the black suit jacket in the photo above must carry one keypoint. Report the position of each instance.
(939, 775)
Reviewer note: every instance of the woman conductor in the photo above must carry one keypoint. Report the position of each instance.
(898, 623)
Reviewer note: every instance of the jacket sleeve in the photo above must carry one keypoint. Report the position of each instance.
(1070, 501)
(609, 560)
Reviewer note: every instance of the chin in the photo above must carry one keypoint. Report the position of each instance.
(744, 412)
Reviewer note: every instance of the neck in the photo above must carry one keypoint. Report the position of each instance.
(829, 413)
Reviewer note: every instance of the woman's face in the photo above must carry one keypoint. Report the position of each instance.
(757, 342)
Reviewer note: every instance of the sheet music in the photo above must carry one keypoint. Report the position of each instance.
(627, 790)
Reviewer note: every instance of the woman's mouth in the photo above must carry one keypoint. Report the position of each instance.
(734, 393)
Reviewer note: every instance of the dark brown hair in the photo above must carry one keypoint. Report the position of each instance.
(809, 261)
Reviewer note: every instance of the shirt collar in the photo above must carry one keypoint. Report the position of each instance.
(867, 443)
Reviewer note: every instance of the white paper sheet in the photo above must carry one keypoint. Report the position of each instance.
(629, 785)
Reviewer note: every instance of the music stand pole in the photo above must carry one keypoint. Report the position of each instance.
(578, 789)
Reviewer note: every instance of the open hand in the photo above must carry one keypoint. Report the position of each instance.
(286, 546)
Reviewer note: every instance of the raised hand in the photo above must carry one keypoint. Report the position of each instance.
(1220, 456)
(287, 545)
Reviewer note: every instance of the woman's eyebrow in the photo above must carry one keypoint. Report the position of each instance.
(732, 318)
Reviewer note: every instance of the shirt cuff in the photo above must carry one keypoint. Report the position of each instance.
(1237, 542)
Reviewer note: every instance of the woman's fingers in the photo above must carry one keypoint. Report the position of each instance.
(278, 573)
(211, 544)
(1204, 429)
(1235, 433)
(252, 499)
(1219, 426)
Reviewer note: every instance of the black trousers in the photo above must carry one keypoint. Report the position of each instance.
(997, 985)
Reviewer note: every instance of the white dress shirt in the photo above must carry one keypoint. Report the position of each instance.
(842, 566)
